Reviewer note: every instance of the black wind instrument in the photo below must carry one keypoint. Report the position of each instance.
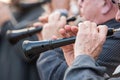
(15, 35)
(33, 48)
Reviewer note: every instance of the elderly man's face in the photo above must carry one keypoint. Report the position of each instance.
(89, 9)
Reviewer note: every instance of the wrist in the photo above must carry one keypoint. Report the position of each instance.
(85, 53)
(78, 54)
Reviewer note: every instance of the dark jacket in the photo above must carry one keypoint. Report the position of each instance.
(110, 55)
(85, 68)
(51, 65)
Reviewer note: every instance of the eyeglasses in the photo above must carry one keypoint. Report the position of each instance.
(116, 2)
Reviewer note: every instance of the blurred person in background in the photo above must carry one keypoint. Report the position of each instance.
(5, 15)
(14, 65)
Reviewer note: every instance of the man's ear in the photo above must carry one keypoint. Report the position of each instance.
(106, 6)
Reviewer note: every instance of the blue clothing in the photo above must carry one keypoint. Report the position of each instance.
(85, 68)
(51, 65)
(110, 55)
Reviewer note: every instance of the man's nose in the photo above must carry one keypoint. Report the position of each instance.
(118, 16)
